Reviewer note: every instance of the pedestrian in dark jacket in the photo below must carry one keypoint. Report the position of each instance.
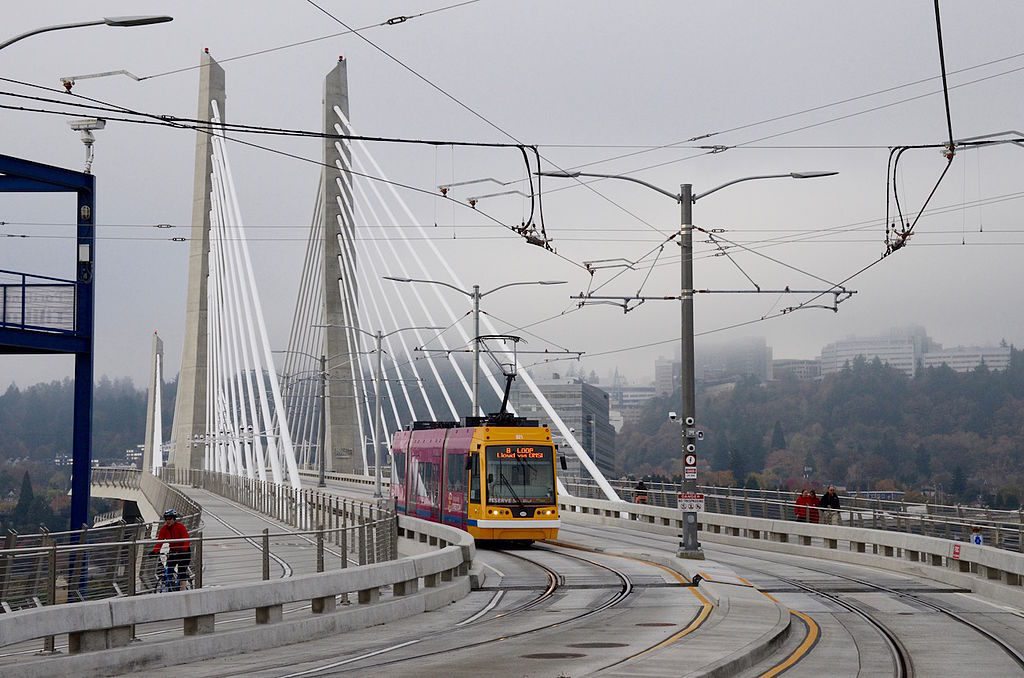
(830, 502)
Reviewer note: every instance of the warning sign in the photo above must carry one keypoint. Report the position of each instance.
(690, 459)
(956, 551)
(691, 501)
(690, 473)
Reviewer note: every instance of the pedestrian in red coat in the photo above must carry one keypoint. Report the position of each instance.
(803, 503)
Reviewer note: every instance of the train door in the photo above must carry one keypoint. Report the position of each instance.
(454, 489)
(474, 503)
(399, 459)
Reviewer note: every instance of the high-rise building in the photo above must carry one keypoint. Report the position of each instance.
(582, 407)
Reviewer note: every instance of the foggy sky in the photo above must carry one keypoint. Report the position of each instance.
(582, 79)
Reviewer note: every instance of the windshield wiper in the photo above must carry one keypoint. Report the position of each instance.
(515, 496)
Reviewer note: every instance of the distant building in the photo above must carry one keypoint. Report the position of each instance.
(581, 406)
(901, 348)
(801, 370)
(967, 358)
(666, 376)
(627, 402)
(717, 363)
(732, 360)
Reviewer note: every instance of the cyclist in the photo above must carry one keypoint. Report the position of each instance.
(180, 554)
(640, 494)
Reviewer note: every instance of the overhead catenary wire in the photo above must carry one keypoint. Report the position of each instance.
(392, 21)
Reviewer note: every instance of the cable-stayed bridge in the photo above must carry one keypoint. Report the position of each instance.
(297, 581)
(235, 413)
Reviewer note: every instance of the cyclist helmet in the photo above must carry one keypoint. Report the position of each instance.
(170, 513)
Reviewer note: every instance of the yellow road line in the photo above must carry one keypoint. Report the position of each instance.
(706, 604)
(813, 633)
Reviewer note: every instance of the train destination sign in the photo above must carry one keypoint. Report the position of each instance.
(521, 452)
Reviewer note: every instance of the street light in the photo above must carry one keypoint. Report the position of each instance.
(689, 546)
(378, 336)
(321, 466)
(122, 21)
(476, 295)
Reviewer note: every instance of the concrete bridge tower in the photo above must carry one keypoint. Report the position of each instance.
(342, 440)
(190, 402)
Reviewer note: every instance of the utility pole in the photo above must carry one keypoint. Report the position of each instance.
(689, 546)
(476, 350)
(376, 416)
(322, 456)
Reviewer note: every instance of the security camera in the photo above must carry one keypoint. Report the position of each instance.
(87, 124)
(572, 430)
(672, 416)
(689, 421)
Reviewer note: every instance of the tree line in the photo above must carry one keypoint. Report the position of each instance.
(956, 436)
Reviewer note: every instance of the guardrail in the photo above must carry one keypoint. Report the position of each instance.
(158, 494)
(36, 302)
(928, 520)
(983, 569)
(381, 592)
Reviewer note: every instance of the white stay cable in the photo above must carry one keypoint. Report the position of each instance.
(240, 292)
(369, 282)
(227, 418)
(498, 389)
(409, 319)
(286, 442)
(350, 315)
(400, 261)
(157, 441)
(552, 414)
(380, 321)
(240, 362)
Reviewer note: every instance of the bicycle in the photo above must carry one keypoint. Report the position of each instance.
(168, 577)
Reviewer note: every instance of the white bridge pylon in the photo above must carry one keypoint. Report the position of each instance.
(245, 435)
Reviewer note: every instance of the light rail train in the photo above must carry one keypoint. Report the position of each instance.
(491, 476)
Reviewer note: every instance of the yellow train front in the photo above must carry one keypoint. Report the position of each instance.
(493, 477)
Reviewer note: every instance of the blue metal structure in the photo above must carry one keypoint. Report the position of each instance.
(43, 315)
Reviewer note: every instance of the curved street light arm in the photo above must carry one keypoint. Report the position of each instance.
(47, 29)
(126, 21)
(788, 175)
(572, 175)
(429, 282)
(525, 282)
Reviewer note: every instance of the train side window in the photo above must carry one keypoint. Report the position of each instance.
(398, 460)
(455, 477)
(474, 478)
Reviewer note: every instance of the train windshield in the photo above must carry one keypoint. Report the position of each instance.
(520, 474)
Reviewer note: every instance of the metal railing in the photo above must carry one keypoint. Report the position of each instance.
(96, 563)
(35, 302)
(158, 494)
(1002, 529)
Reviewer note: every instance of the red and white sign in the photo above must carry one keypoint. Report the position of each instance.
(690, 460)
(690, 473)
(691, 501)
(956, 551)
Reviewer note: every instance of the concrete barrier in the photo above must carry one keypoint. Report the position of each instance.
(996, 573)
(108, 625)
